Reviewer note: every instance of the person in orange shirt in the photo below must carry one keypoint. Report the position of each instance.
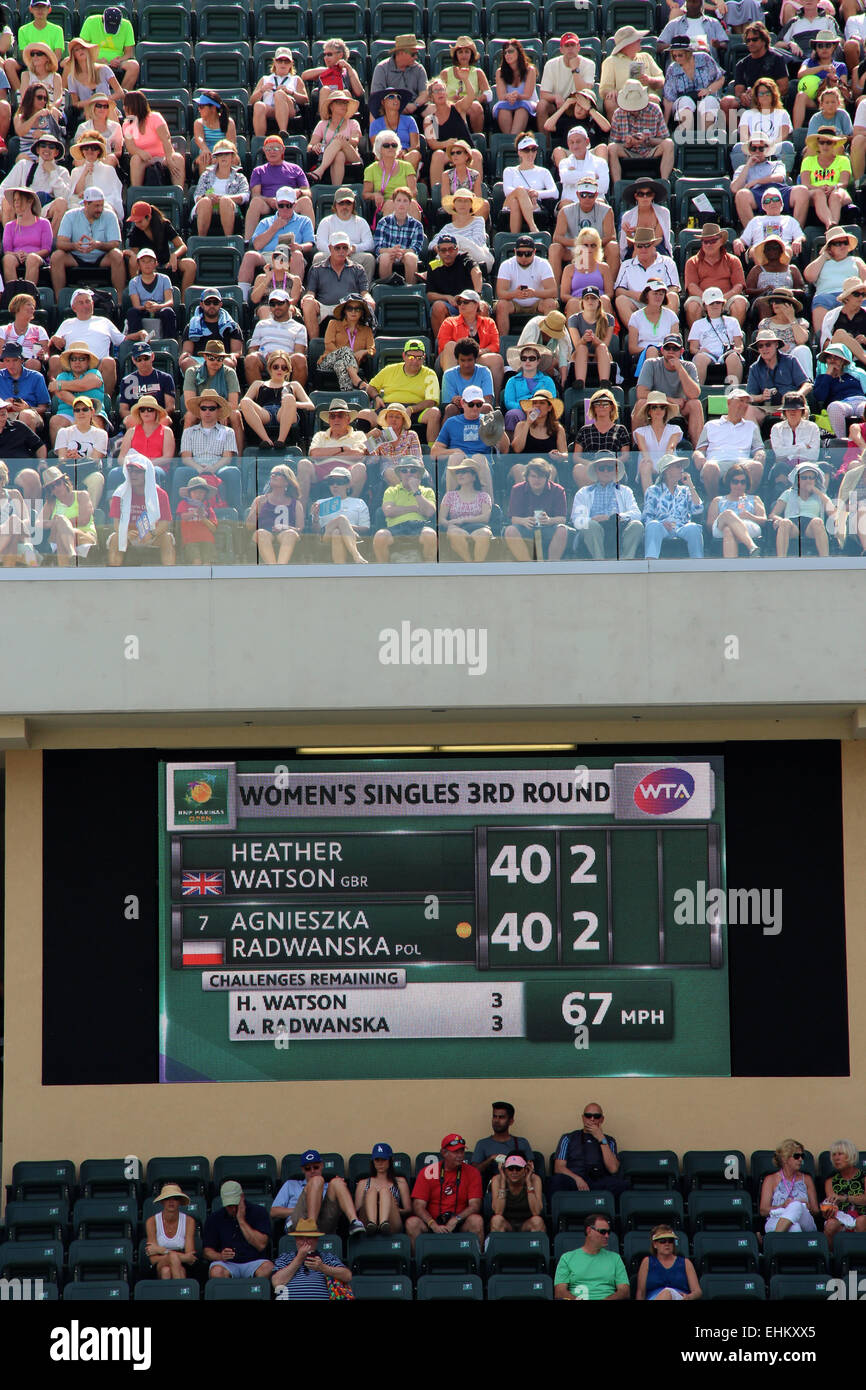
(198, 523)
(475, 323)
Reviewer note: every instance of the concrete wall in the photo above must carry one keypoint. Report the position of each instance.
(576, 638)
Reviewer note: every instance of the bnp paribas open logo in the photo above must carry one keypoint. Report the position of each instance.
(201, 796)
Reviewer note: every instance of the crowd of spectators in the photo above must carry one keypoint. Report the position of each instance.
(467, 306)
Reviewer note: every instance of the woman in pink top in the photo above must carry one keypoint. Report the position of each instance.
(465, 511)
(149, 433)
(148, 140)
(27, 239)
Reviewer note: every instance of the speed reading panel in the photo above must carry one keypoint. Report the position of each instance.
(441, 919)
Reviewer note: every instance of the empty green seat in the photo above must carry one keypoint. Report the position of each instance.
(116, 1291)
(164, 64)
(463, 1288)
(716, 1211)
(447, 1254)
(733, 1287)
(383, 1288)
(100, 1260)
(379, 1254)
(796, 1252)
(111, 1177)
(43, 1180)
(568, 1210)
(810, 1288)
(714, 1169)
(32, 1259)
(517, 1252)
(649, 1169)
(640, 1211)
(725, 1252)
(256, 1173)
(36, 1221)
(525, 1288)
(217, 259)
(281, 23)
(165, 24)
(237, 1290)
(224, 23)
(169, 1290)
(105, 1218)
(191, 1172)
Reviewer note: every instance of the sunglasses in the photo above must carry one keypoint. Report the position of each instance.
(207, 302)
(521, 254)
(408, 470)
(799, 1157)
(604, 468)
(81, 409)
(643, 193)
(285, 205)
(389, 145)
(206, 409)
(473, 405)
(529, 359)
(279, 367)
(338, 482)
(826, 142)
(755, 38)
(602, 1230)
(147, 409)
(664, 1240)
(41, 96)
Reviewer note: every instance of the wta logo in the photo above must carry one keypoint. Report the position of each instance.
(663, 791)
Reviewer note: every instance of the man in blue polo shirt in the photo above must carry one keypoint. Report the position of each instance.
(24, 387)
(305, 1273)
(462, 434)
(468, 372)
(773, 376)
(236, 1236)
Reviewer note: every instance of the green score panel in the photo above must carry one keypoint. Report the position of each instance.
(575, 899)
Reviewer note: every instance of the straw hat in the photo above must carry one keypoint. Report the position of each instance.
(401, 410)
(839, 234)
(625, 36)
(632, 96)
(785, 296)
(464, 194)
(759, 251)
(554, 325)
(339, 310)
(91, 48)
(592, 469)
(334, 94)
(640, 414)
(77, 349)
(224, 147)
(406, 43)
(45, 50)
(554, 402)
(210, 396)
(171, 1189)
(197, 482)
(763, 140)
(457, 143)
(766, 335)
(338, 404)
(851, 286)
(825, 132)
(305, 1229)
(113, 113)
(148, 402)
(712, 229)
(35, 201)
(52, 476)
(87, 137)
(454, 468)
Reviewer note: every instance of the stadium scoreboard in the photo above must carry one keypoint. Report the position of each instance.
(393, 919)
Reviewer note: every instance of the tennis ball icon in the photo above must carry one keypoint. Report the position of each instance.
(464, 930)
(200, 791)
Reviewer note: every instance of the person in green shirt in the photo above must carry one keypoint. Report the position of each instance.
(116, 39)
(409, 510)
(40, 31)
(593, 1271)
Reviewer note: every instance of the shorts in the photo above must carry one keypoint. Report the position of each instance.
(240, 1269)
(329, 1214)
(752, 527)
(202, 551)
(547, 533)
(407, 528)
(142, 555)
(326, 466)
(825, 301)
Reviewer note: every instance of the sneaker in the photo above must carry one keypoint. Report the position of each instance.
(384, 1228)
(356, 1227)
(371, 1228)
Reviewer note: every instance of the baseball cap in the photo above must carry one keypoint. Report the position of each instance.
(142, 350)
(447, 239)
(514, 1161)
(579, 130)
(673, 340)
(82, 291)
(738, 393)
(231, 1193)
(469, 294)
(277, 294)
(311, 1156)
(283, 53)
(139, 211)
(453, 1141)
(273, 140)
(286, 194)
(339, 239)
(414, 345)
(338, 475)
(568, 38)
(211, 293)
(111, 19)
(524, 241)
(713, 296)
(344, 195)
(11, 350)
(147, 252)
(92, 195)
(472, 393)
(381, 1150)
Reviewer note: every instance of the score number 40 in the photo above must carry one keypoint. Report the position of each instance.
(535, 932)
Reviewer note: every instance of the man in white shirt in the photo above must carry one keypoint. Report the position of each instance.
(562, 76)
(728, 440)
(524, 282)
(279, 333)
(345, 219)
(646, 264)
(99, 333)
(579, 163)
(771, 221)
(704, 31)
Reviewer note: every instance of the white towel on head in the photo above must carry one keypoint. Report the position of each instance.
(124, 492)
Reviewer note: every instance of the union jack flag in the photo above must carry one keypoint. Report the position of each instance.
(203, 883)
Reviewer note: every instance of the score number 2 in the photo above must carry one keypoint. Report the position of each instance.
(535, 932)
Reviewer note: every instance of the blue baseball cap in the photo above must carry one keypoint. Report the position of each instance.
(210, 294)
(382, 1151)
(311, 1156)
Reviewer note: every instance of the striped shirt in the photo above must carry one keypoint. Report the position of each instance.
(207, 445)
(306, 1283)
(605, 499)
(389, 232)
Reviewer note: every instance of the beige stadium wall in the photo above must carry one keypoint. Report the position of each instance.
(110, 1121)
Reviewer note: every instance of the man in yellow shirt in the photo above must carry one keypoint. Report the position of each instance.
(409, 383)
(409, 510)
(624, 61)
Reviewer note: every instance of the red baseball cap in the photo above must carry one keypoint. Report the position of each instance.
(568, 38)
(453, 1141)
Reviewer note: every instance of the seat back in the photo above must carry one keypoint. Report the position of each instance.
(725, 1252)
(106, 1218)
(35, 1221)
(110, 1177)
(796, 1252)
(527, 1288)
(256, 1173)
(32, 1259)
(714, 1169)
(648, 1169)
(516, 1252)
(447, 1254)
(640, 1211)
(383, 1288)
(169, 1290)
(95, 1260)
(190, 1172)
(43, 1179)
(568, 1210)
(238, 1291)
(801, 1288)
(379, 1254)
(733, 1287)
(714, 1211)
(462, 1288)
(109, 1291)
